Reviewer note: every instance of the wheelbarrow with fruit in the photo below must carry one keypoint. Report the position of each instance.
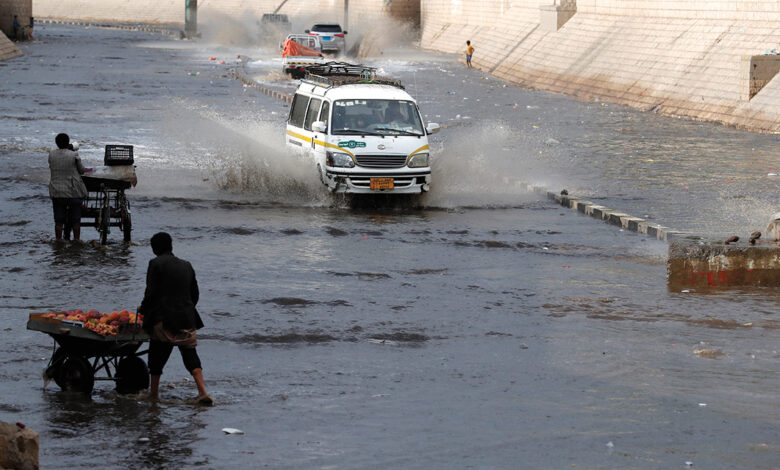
(92, 346)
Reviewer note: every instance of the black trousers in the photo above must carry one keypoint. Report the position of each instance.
(160, 351)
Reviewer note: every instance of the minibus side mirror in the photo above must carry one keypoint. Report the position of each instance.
(306, 31)
(344, 32)
(432, 128)
(319, 126)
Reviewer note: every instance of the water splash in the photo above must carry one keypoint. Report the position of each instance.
(243, 154)
(486, 165)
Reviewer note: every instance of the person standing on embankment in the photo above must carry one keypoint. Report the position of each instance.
(469, 53)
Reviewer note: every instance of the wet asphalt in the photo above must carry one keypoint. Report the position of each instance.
(477, 327)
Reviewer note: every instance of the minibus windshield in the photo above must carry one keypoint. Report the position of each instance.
(376, 117)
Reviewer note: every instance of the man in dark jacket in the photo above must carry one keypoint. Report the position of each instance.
(170, 316)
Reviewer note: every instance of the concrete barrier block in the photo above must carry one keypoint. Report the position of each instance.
(651, 229)
(553, 17)
(703, 266)
(631, 223)
(599, 212)
(590, 208)
(616, 218)
(756, 72)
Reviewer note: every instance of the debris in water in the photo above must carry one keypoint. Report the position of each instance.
(706, 352)
(702, 405)
(383, 341)
(731, 239)
(143, 439)
(232, 431)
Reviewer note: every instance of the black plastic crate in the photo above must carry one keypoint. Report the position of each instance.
(118, 155)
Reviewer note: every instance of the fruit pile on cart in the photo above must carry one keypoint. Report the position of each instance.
(90, 346)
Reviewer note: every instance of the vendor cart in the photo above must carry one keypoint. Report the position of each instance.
(106, 205)
(80, 355)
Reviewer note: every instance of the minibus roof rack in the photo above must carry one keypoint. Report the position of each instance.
(332, 74)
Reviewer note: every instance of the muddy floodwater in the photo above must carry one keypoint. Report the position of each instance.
(476, 327)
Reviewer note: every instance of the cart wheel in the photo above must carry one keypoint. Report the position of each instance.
(59, 356)
(105, 220)
(127, 225)
(75, 375)
(132, 375)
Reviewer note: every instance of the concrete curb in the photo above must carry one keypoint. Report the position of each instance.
(611, 216)
(240, 74)
(171, 31)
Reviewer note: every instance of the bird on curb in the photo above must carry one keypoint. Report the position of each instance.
(754, 236)
(564, 193)
(730, 240)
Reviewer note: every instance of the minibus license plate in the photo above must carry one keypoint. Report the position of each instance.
(381, 183)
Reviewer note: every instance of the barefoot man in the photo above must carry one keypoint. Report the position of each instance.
(170, 316)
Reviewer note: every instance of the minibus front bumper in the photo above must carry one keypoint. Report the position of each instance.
(411, 182)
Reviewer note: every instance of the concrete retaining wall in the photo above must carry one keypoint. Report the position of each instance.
(674, 57)
(172, 11)
(8, 49)
(8, 8)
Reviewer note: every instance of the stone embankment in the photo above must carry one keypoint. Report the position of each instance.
(18, 447)
(703, 60)
(8, 49)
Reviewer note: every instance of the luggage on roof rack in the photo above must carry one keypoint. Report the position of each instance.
(342, 73)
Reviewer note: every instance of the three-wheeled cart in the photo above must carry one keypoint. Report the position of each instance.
(106, 205)
(80, 355)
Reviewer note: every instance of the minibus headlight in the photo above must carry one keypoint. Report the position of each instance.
(338, 159)
(418, 160)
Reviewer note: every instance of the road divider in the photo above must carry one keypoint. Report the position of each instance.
(171, 31)
(611, 216)
(239, 73)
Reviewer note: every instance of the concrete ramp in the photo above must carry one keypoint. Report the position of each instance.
(8, 49)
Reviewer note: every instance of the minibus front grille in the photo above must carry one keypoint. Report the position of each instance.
(381, 161)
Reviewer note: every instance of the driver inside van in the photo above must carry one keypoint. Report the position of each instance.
(393, 112)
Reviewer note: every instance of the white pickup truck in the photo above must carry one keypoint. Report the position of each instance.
(300, 51)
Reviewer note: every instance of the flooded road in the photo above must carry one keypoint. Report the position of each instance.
(478, 327)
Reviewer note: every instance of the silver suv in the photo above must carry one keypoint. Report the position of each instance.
(331, 35)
